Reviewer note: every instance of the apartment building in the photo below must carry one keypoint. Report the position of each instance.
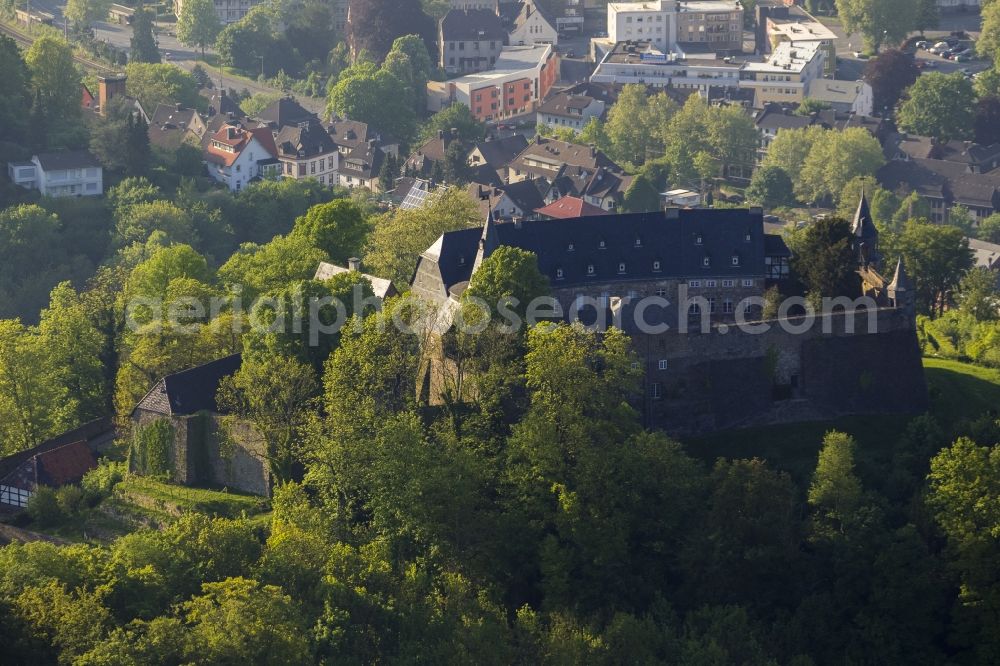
(717, 24)
(228, 11)
(787, 75)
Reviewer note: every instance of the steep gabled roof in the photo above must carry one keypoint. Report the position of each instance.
(382, 287)
(568, 207)
(285, 111)
(472, 25)
(304, 140)
(65, 464)
(900, 280)
(498, 153)
(190, 391)
(863, 226)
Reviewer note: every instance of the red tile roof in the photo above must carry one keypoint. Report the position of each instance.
(569, 207)
(66, 464)
(238, 138)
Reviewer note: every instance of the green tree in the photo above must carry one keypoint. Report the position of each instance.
(161, 83)
(508, 275)
(255, 269)
(989, 229)
(198, 24)
(274, 394)
(143, 43)
(837, 159)
(835, 493)
(111, 134)
(964, 487)
(939, 105)
(926, 16)
(398, 238)
(84, 12)
(882, 203)
(376, 24)
(55, 86)
(979, 295)
(824, 260)
(642, 196)
(456, 116)
(14, 73)
(911, 208)
(137, 150)
(635, 124)
(879, 21)
(140, 220)
(68, 623)
(408, 60)
(152, 277)
(988, 44)
(366, 92)
(987, 83)
(338, 228)
(791, 147)
(986, 126)
(770, 186)
(810, 106)
(936, 257)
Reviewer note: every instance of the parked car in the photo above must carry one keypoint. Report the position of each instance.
(929, 64)
(860, 56)
(962, 57)
(922, 44)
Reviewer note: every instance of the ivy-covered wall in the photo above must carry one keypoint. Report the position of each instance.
(150, 452)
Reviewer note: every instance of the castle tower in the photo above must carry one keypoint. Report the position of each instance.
(488, 242)
(864, 235)
(109, 87)
(900, 290)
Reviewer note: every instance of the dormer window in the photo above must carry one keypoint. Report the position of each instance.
(621, 267)
(461, 260)
(602, 245)
(736, 260)
(748, 236)
(570, 247)
(706, 261)
(638, 242)
(559, 274)
(590, 269)
(698, 239)
(656, 266)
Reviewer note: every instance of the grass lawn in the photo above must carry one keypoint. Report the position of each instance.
(165, 501)
(958, 391)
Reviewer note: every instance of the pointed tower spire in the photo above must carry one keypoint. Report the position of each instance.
(863, 226)
(488, 241)
(900, 280)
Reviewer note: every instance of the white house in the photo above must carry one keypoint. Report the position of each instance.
(533, 27)
(566, 110)
(848, 96)
(236, 155)
(66, 174)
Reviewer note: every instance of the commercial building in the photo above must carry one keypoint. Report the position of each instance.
(521, 77)
(666, 23)
(228, 11)
(794, 25)
(787, 74)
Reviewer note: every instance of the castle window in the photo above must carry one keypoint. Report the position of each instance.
(632, 293)
(736, 260)
(747, 307)
(747, 283)
(461, 260)
(711, 304)
(748, 236)
(635, 365)
(694, 309)
(656, 266)
(590, 269)
(602, 245)
(661, 292)
(710, 283)
(727, 283)
(656, 390)
(727, 306)
(694, 283)
(559, 274)
(706, 262)
(638, 242)
(662, 364)
(621, 267)
(698, 239)
(569, 248)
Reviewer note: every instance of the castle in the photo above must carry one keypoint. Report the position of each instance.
(710, 359)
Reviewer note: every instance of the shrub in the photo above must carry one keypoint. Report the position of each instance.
(70, 500)
(44, 508)
(99, 482)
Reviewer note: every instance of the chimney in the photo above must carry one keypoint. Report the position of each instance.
(178, 106)
(518, 222)
(354, 263)
(109, 87)
(593, 150)
(454, 132)
(441, 134)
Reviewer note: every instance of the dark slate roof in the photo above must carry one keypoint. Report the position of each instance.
(553, 151)
(863, 226)
(190, 391)
(472, 25)
(963, 152)
(525, 194)
(943, 180)
(776, 117)
(635, 239)
(364, 161)
(70, 159)
(905, 176)
(304, 140)
(499, 153)
(562, 103)
(285, 111)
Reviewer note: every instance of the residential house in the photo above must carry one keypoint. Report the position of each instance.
(568, 207)
(236, 155)
(55, 462)
(219, 102)
(943, 185)
(71, 173)
(774, 118)
(567, 110)
(470, 40)
(306, 150)
(381, 287)
(428, 161)
(545, 158)
(532, 26)
(283, 112)
(985, 255)
(173, 125)
(520, 78)
(206, 446)
(350, 134)
(412, 193)
(976, 157)
(508, 202)
(496, 153)
(845, 96)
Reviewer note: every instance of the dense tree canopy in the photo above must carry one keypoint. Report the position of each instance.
(376, 24)
(939, 105)
(889, 74)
